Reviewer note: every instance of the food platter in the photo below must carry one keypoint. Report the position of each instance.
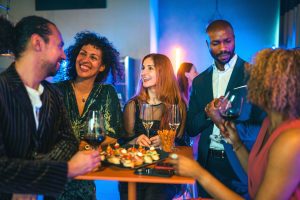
(131, 156)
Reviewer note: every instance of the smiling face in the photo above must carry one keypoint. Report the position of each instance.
(148, 73)
(89, 62)
(54, 53)
(221, 45)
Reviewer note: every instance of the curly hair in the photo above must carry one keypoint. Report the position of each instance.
(110, 56)
(274, 81)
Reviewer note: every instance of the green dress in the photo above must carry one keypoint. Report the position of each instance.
(103, 97)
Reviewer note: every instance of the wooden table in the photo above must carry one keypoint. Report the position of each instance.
(127, 175)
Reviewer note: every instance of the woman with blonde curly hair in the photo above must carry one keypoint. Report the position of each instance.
(274, 161)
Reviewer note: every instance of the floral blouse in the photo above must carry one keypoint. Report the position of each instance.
(103, 97)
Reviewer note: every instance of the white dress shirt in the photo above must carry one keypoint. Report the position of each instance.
(220, 81)
(35, 98)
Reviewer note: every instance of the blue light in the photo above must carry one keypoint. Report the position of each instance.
(63, 64)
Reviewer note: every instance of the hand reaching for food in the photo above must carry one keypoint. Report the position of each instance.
(143, 140)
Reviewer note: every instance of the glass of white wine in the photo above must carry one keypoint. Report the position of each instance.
(174, 119)
(147, 117)
(174, 123)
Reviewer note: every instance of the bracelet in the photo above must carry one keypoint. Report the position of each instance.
(237, 147)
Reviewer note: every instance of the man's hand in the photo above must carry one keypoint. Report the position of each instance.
(212, 111)
(83, 162)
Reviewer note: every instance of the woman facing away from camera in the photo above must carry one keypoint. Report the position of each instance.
(158, 87)
(274, 161)
(185, 76)
(89, 61)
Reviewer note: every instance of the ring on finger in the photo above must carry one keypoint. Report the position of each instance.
(174, 156)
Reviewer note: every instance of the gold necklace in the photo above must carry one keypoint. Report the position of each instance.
(83, 99)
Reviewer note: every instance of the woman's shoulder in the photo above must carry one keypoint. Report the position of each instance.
(287, 143)
(132, 102)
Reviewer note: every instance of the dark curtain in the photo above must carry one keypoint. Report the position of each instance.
(289, 23)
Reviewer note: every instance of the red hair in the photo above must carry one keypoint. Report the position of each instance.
(167, 89)
(183, 80)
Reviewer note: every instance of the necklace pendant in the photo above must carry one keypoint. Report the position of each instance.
(83, 100)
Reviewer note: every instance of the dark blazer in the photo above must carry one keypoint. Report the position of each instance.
(248, 123)
(27, 154)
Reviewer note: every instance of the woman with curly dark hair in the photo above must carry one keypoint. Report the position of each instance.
(273, 163)
(89, 61)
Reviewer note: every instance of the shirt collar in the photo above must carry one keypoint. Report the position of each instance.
(34, 95)
(228, 65)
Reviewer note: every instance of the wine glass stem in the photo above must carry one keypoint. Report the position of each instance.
(148, 133)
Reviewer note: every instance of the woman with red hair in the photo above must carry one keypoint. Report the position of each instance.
(158, 87)
(185, 76)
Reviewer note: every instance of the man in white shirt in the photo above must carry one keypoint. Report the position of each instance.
(226, 73)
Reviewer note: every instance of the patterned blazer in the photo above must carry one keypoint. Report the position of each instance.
(27, 154)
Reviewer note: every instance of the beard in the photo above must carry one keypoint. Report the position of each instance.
(223, 57)
(51, 68)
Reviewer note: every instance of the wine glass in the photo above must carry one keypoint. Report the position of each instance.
(146, 116)
(174, 123)
(95, 134)
(174, 118)
(231, 106)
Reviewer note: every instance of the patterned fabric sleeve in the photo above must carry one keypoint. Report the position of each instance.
(112, 114)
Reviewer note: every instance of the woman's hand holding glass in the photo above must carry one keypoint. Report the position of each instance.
(230, 134)
(230, 108)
